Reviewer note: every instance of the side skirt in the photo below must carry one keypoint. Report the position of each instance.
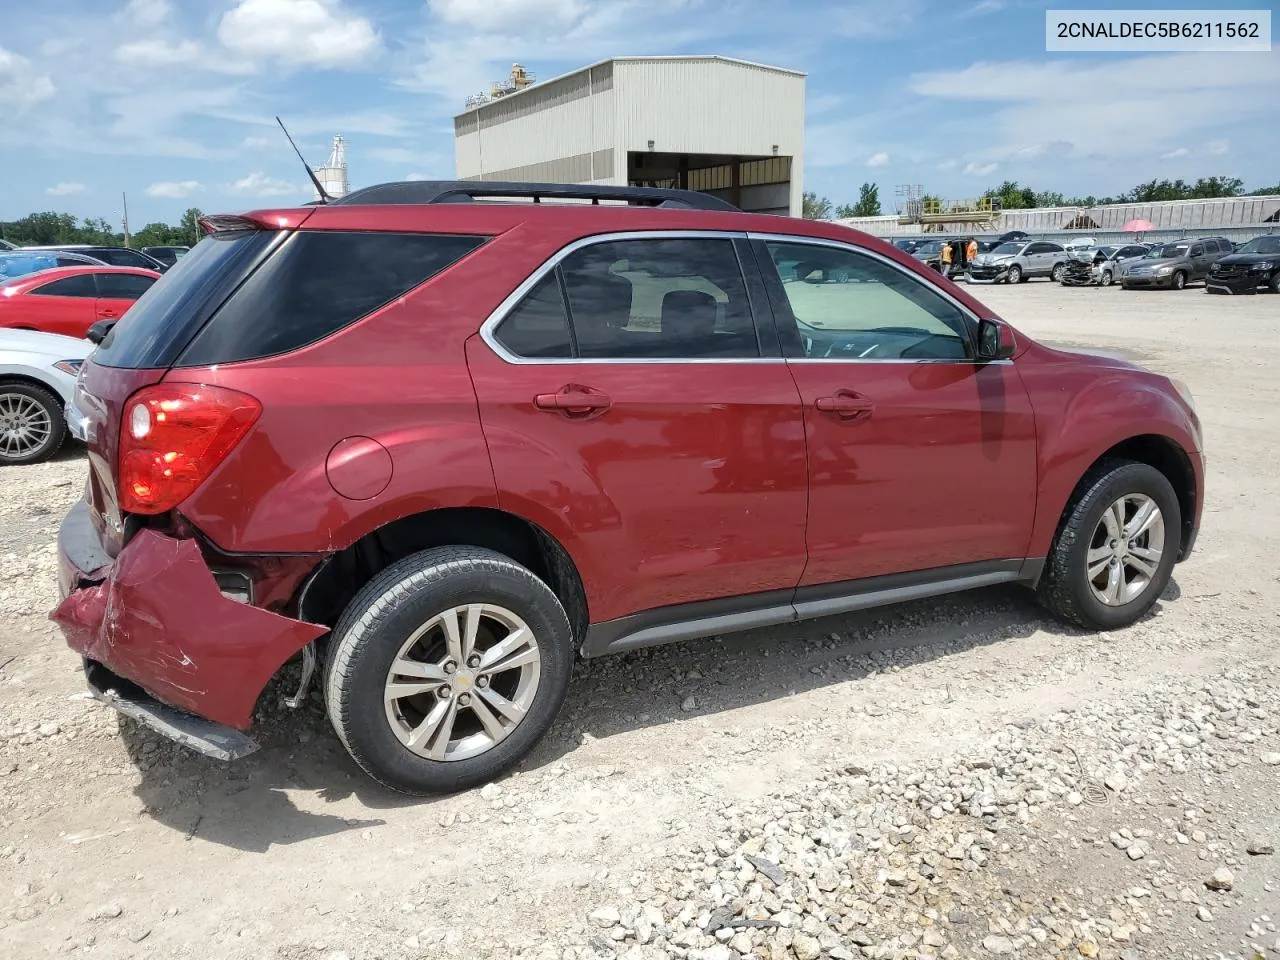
(704, 618)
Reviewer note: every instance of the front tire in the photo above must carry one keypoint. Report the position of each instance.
(1106, 278)
(447, 669)
(1274, 285)
(1015, 274)
(1115, 547)
(1179, 280)
(32, 424)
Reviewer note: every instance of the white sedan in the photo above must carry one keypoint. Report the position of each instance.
(37, 379)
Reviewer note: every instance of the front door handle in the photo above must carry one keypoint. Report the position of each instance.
(846, 405)
(106, 313)
(574, 400)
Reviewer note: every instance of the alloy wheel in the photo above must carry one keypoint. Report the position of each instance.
(25, 426)
(1125, 550)
(462, 682)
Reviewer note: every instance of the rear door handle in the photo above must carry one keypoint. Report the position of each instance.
(574, 400)
(846, 405)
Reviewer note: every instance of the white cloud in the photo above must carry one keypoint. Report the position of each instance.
(510, 17)
(873, 19)
(880, 159)
(258, 184)
(1175, 154)
(158, 53)
(255, 143)
(1154, 103)
(984, 7)
(22, 86)
(300, 33)
(975, 169)
(397, 155)
(949, 164)
(64, 189)
(172, 189)
(415, 176)
(1218, 147)
(147, 13)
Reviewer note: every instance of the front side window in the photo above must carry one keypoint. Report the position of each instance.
(80, 285)
(660, 298)
(852, 306)
(1197, 250)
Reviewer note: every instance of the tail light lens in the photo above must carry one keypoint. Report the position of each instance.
(172, 437)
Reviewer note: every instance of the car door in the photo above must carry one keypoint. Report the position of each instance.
(117, 293)
(921, 458)
(65, 306)
(1051, 254)
(633, 411)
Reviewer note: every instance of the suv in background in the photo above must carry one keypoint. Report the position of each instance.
(167, 255)
(1018, 261)
(112, 256)
(1173, 265)
(438, 448)
(1253, 265)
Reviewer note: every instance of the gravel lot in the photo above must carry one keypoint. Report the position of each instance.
(951, 779)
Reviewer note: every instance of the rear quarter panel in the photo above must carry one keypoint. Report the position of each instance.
(398, 377)
(1085, 406)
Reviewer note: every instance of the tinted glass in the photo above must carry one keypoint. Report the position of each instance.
(1008, 249)
(850, 306)
(539, 325)
(122, 258)
(661, 298)
(1051, 248)
(123, 286)
(1197, 250)
(316, 284)
(160, 324)
(77, 286)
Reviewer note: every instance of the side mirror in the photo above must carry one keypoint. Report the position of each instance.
(995, 341)
(98, 332)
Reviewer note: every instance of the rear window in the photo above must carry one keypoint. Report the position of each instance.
(316, 284)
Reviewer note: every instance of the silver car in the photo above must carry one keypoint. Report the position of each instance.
(37, 379)
(1108, 270)
(1019, 261)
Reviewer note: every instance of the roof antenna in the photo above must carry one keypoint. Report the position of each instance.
(324, 197)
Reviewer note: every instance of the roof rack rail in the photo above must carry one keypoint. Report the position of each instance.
(467, 191)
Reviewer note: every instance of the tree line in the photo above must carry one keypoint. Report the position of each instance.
(48, 228)
(1015, 196)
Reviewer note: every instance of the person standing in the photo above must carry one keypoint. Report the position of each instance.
(946, 259)
(971, 250)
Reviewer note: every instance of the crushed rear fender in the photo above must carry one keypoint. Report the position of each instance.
(159, 620)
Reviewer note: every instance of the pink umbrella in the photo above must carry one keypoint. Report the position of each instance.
(1138, 226)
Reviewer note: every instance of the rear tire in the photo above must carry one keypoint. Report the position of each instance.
(1058, 270)
(406, 632)
(1078, 574)
(32, 424)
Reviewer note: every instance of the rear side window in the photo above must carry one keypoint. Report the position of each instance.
(122, 258)
(316, 284)
(123, 286)
(539, 326)
(77, 286)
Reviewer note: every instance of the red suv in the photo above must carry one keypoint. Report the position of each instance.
(438, 447)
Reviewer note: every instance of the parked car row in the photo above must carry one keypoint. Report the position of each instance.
(158, 259)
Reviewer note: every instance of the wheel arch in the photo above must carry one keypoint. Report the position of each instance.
(325, 593)
(1164, 454)
(11, 377)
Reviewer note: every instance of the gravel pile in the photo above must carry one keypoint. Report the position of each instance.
(957, 859)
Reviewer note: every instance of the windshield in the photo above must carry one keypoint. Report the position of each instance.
(1268, 244)
(1007, 249)
(1170, 251)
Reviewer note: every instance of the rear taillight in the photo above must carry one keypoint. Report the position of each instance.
(172, 435)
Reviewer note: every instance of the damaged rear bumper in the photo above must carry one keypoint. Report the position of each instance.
(155, 617)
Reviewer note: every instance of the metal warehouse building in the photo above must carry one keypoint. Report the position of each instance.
(723, 126)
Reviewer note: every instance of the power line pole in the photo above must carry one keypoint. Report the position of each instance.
(125, 199)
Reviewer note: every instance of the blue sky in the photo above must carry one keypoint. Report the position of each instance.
(172, 100)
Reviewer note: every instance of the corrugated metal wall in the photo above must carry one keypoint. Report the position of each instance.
(580, 127)
(1233, 217)
(560, 131)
